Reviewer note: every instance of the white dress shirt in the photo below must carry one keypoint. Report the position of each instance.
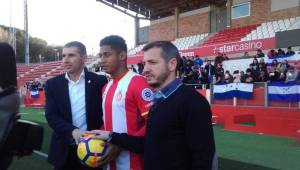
(77, 101)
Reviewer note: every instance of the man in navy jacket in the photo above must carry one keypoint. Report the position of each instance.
(73, 105)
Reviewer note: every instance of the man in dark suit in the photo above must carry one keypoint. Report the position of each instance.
(73, 105)
(210, 71)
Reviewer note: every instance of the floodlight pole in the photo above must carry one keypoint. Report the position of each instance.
(12, 30)
(228, 11)
(26, 36)
(176, 11)
(136, 29)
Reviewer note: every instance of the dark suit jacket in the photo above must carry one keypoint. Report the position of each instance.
(59, 115)
(212, 69)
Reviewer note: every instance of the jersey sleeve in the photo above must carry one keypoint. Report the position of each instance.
(142, 95)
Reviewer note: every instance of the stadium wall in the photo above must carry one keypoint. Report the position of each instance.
(287, 38)
(190, 23)
(197, 21)
(267, 10)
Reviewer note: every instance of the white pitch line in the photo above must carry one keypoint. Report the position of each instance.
(41, 154)
(42, 113)
(24, 113)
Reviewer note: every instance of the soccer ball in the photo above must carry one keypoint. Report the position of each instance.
(90, 150)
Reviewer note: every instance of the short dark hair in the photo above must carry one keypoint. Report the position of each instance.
(80, 46)
(236, 72)
(115, 42)
(168, 49)
(8, 75)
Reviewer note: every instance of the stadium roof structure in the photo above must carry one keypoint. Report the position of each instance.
(155, 9)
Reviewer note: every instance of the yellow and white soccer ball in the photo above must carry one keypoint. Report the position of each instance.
(90, 150)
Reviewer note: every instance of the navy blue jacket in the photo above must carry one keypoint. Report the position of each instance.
(59, 115)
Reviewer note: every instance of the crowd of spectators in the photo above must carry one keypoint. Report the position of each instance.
(273, 53)
(193, 71)
(34, 85)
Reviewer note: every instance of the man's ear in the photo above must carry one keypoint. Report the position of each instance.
(123, 55)
(172, 64)
(84, 57)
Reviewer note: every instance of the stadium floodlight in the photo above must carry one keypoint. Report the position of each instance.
(26, 35)
(55, 54)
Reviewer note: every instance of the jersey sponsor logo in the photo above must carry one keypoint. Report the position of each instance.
(147, 94)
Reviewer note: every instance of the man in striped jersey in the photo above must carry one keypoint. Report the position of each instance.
(126, 99)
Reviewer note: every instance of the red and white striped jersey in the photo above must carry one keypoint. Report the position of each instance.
(126, 102)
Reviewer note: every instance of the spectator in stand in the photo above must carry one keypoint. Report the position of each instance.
(255, 67)
(219, 73)
(263, 76)
(196, 74)
(274, 71)
(249, 77)
(184, 60)
(290, 51)
(198, 61)
(228, 77)
(188, 76)
(203, 77)
(246, 55)
(236, 77)
(282, 77)
(225, 57)
(242, 76)
(297, 77)
(284, 66)
(275, 66)
(210, 70)
(262, 65)
(133, 69)
(297, 72)
(219, 70)
(180, 67)
(191, 61)
(272, 53)
(140, 67)
(259, 53)
(219, 59)
(291, 74)
(219, 79)
(280, 52)
(35, 86)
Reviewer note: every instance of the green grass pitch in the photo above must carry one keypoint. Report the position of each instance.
(236, 151)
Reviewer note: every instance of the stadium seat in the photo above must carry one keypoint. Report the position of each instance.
(268, 29)
(41, 71)
(231, 35)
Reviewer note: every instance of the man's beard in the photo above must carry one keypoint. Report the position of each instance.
(160, 79)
